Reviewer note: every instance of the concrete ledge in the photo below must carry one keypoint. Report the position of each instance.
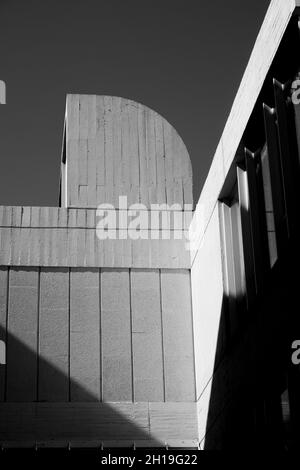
(81, 248)
(57, 237)
(57, 424)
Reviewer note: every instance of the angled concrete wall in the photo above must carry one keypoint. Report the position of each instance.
(208, 287)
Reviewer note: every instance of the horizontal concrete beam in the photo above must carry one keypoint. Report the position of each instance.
(50, 237)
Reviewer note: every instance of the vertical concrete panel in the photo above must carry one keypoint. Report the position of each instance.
(134, 171)
(146, 336)
(22, 335)
(109, 156)
(72, 149)
(117, 149)
(85, 335)
(100, 144)
(143, 163)
(160, 160)
(177, 335)
(3, 314)
(116, 335)
(53, 368)
(207, 295)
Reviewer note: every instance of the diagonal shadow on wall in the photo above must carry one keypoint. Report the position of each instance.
(254, 380)
(88, 423)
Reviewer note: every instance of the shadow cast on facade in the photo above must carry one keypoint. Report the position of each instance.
(254, 400)
(62, 423)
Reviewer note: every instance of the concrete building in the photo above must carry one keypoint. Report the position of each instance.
(244, 282)
(99, 330)
(123, 342)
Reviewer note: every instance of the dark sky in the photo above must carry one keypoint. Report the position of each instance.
(184, 59)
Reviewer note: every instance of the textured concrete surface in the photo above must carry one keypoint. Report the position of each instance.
(85, 335)
(77, 334)
(177, 336)
(53, 335)
(22, 328)
(51, 236)
(92, 424)
(147, 335)
(3, 306)
(116, 146)
(116, 335)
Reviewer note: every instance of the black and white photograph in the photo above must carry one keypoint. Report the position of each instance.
(149, 230)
